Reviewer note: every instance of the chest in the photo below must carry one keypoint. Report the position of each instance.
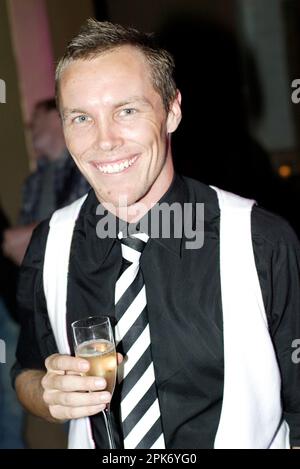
(183, 302)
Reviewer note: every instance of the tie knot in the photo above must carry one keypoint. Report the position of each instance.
(133, 246)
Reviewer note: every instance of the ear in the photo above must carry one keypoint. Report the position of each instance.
(174, 115)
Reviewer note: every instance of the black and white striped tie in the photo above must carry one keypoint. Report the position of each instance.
(140, 412)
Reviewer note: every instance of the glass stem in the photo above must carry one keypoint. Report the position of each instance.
(109, 427)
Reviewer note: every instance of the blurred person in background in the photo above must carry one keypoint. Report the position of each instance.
(56, 182)
(11, 412)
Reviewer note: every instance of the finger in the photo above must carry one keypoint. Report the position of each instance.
(68, 383)
(119, 358)
(64, 363)
(76, 399)
(62, 413)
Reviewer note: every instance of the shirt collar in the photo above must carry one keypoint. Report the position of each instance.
(88, 220)
(177, 193)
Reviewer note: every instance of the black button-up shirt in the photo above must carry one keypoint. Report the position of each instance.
(184, 308)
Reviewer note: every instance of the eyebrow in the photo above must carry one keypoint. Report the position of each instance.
(130, 100)
(133, 99)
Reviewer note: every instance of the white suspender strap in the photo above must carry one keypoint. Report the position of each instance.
(55, 276)
(251, 413)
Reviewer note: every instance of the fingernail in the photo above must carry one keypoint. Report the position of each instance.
(105, 397)
(84, 366)
(99, 383)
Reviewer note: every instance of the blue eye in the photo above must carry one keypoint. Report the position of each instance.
(128, 111)
(80, 119)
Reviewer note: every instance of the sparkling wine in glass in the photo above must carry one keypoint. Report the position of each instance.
(94, 341)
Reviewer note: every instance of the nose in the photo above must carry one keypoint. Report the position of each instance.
(108, 136)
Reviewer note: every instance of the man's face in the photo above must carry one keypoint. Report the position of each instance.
(116, 127)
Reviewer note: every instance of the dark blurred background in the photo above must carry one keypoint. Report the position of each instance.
(235, 63)
(236, 60)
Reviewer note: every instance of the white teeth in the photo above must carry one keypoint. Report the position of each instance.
(116, 168)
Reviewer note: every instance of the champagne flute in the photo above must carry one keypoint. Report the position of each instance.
(94, 341)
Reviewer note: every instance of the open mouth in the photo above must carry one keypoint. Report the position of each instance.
(114, 168)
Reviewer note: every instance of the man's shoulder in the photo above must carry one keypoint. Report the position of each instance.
(266, 226)
(272, 228)
(34, 256)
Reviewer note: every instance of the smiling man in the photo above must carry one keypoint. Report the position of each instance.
(206, 333)
(117, 127)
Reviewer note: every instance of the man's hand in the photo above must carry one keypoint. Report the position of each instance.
(15, 242)
(66, 390)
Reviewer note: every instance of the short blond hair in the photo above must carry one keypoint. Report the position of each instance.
(96, 37)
